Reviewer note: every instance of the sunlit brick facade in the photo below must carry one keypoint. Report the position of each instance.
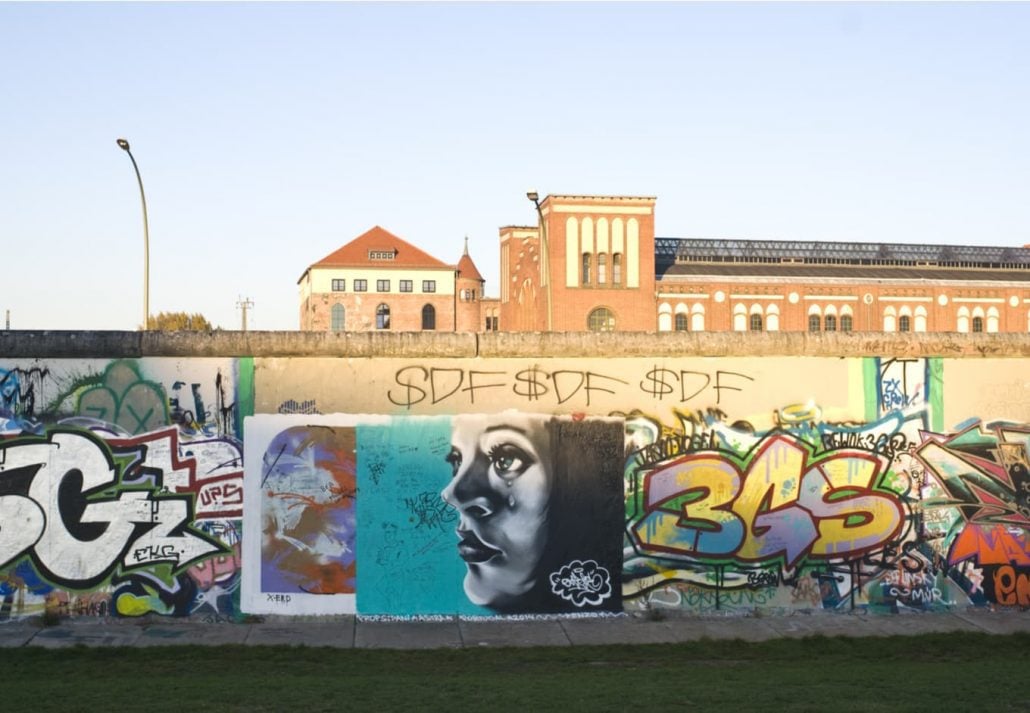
(608, 272)
(380, 282)
(593, 263)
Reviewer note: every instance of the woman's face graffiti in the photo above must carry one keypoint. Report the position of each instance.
(500, 488)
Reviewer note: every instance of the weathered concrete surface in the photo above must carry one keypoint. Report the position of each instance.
(347, 632)
(503, 633)
(336, 634)
(71, 344)
(407, 635)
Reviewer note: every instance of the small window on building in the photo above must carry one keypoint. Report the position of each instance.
(831, 323)
(681, 322)
(586, 268)
(845, 323)
(755, 323)
(405, 285)
(617, 269)
(338, 318)
(360, 285)
(383, 316)
(601, 319)
(904, 323)
(429, 285)
(382, 254)
(602, 269)
(813, 323)
(382, 285)
(339, 285)
(978, 324)
(429, 317)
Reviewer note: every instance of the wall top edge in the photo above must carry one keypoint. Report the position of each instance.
(30, 344)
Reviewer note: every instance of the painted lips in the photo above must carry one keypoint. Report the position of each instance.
(472, 549)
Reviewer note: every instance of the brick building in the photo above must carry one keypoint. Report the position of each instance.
(379, 281)
(593, 263)
(604, 269)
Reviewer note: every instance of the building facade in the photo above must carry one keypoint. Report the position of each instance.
(379, 281)
(593, 263)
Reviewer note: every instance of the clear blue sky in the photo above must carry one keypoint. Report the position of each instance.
(270, 134)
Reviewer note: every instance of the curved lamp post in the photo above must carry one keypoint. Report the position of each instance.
(124, 145)
(545, 262)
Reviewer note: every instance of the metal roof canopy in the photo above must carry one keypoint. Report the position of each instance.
(669, 251)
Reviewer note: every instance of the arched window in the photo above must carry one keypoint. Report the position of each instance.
(755, 323)
(992, 319)
(740, 318)
(846, 319)
(978, 324)
(664, 317)
(429, 317)
(889, 319)
(831, 323)
(601, 319)
(697, 317)
(962, 324)
(586, 268)
(338, 317)
(772, 318)
(681, 322)
(602, 269)
(617, 269)
(814, 318)
(904, 323)
(920, 320)
(383, 316)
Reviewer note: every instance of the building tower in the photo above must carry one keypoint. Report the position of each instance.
(469, 289)
(591, 268)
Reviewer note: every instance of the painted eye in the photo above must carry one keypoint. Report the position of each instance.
(509, 461)
(454, 458)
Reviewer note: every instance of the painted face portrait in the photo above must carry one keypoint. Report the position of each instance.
(501, 487)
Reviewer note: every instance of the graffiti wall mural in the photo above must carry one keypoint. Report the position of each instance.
(121, 487)
(509, 513)
(216, 487)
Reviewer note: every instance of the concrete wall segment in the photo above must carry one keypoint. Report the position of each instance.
(84, 344)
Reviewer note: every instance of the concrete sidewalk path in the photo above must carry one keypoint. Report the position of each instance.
(350, 632)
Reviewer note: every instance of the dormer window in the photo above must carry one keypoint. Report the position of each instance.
(382, 254)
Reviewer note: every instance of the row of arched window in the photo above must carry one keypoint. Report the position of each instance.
(588, 277)
(681, 318)
(756, 318)
(338, 317)
(827, 319)
(977, 319)
(600, 253)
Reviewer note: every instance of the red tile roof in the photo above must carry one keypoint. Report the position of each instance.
(356, 253)
(468, 270)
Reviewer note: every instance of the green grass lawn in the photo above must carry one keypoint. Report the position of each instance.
(936, 672)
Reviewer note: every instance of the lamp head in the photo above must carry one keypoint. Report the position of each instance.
(123, 144)
(533, 196)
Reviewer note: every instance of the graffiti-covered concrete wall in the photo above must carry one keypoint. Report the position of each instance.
(215, 476)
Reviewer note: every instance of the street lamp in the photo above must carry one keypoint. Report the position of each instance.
(124, 145)
(545, 260)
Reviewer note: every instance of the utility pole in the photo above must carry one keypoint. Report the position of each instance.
(244, 304)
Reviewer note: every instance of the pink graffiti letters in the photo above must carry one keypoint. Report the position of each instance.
(64, 504)
(787, 505)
